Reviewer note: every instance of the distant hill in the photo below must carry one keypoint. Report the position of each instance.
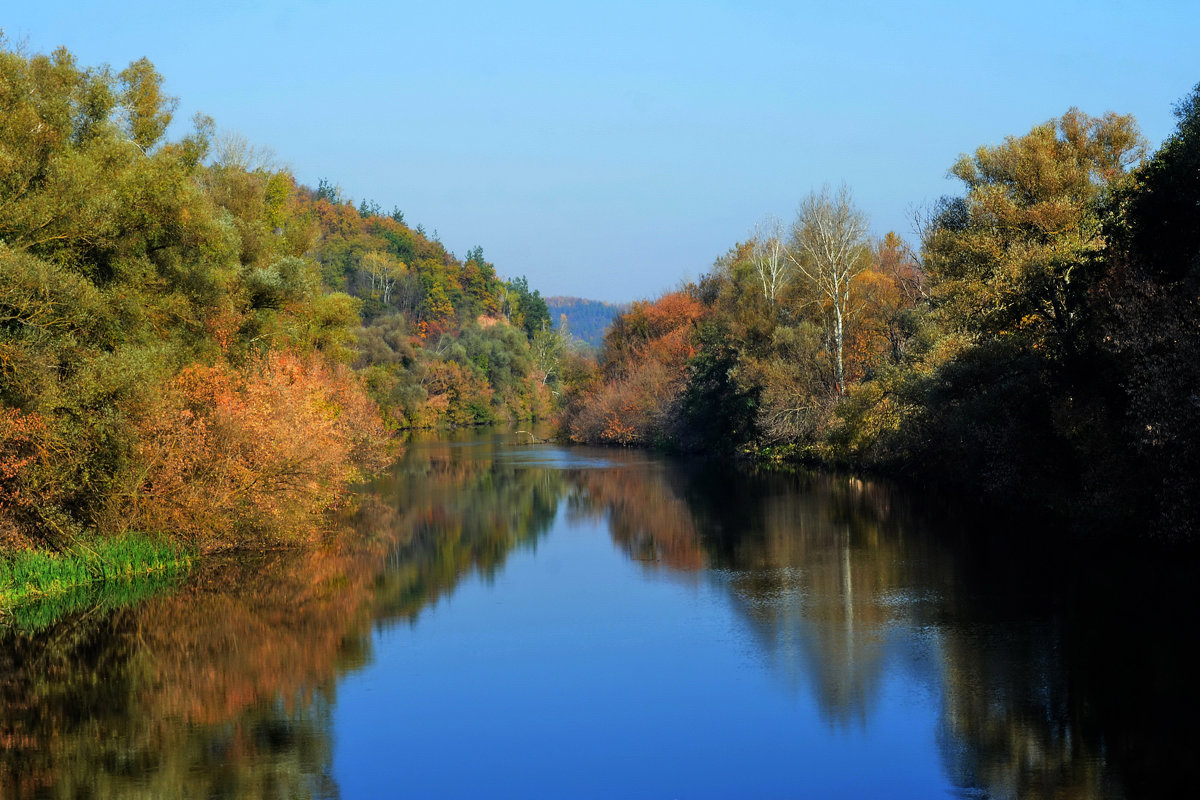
(587, 319)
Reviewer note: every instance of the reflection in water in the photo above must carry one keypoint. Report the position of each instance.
(841, 584)
(1026, 648)
(223, 688)
(1038, 669)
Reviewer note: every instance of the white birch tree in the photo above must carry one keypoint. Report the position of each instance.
(384, 270)
(771, 264)
(829, 248)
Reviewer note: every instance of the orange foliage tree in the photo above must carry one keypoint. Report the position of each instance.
(645, 360)
(232, 457)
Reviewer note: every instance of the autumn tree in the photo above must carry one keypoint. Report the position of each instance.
(148, 111)
(1018, 253)
(233, 150)
(125, 262)
(892, 290)
(1015, 396)
(645, 367)
(383, 270)
(231, 456)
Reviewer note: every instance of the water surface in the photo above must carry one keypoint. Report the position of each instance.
(504, 619)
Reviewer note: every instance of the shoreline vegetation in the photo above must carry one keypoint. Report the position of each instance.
(1038, 349)
(195, 345)
(55, 579)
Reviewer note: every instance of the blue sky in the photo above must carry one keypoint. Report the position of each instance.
(611, 149)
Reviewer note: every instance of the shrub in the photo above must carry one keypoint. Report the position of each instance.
(232, 457)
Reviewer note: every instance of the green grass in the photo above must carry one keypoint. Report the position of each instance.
(35, 575)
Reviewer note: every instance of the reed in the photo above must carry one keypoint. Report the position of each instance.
(36, 574)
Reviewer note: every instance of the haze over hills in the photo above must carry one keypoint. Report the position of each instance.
(587, 319)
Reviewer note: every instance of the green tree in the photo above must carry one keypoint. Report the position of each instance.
(1017, 255)
(1012, 397)
(148, 111)
(1151, 328)
(1160, 214)
(123, 262)
(548, 347)
(527, 309)
(717, 413)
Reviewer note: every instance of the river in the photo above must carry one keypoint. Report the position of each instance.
(501, 618)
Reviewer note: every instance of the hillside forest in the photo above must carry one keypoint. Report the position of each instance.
(587, 320)
(193, 342)
(1040, 345)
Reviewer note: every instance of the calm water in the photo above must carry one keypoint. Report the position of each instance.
(505, 620)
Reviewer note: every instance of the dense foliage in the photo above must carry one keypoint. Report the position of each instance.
(444, 341)
(1040, 346)
(168, 356)
(193, 343)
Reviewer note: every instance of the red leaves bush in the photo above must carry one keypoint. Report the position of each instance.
(22, 446)
(29, 450)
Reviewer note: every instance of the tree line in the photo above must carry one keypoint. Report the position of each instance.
(1040, 343)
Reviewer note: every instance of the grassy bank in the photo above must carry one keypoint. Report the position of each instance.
(33, 575)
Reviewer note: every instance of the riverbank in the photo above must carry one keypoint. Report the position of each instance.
(29, 576)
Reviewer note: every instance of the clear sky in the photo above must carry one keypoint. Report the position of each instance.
(611, 149)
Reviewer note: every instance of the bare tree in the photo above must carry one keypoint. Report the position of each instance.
(548, 346)
(773, 267)
(234, 150)
(829, 248)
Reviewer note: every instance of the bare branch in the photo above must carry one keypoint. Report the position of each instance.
(829, 248)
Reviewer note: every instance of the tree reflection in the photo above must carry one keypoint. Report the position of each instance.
(649, 519)
(1048, 682)
(223, 688)
(447, 511)
(808, 562)
(842, 583)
